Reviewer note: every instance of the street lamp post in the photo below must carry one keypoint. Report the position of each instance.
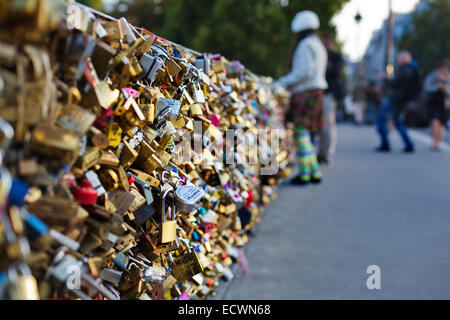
(390, 43)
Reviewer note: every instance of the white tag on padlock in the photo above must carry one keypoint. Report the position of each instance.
(188, 197)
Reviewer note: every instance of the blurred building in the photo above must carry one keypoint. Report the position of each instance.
(374, 59)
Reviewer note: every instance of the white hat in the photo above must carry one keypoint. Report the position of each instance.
(305, 20)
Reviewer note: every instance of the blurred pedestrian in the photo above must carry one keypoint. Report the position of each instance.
(359, 101)
(306, 80)
(437, 90)
(373, 101)
(334, 94)
(402, 89)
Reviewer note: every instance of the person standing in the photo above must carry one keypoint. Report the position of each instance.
(333, 95)
(402, 89)
(437, 91)
(306, 81)
(373, 101)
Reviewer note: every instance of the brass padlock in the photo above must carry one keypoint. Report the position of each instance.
(186, 265)
(22, 286)
(168, 229)
(114, 133)
(90, 158)
(152, 181)
(128, 155)
(58, 142)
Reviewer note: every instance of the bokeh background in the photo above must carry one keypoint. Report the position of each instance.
(256, 32)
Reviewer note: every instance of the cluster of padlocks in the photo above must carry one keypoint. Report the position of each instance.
(114, 182)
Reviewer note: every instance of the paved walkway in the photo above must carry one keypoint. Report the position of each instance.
(390, 210)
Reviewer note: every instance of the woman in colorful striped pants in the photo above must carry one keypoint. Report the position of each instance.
(306, 81)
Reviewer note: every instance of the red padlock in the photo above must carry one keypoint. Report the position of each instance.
(215, 120)
(102, 120)
(130, 180)
(84, 194)
(249, 199)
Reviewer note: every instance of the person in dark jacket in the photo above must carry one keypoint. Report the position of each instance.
(397, 98)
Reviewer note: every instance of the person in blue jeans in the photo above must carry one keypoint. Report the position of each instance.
(393, 106)
(387, 110)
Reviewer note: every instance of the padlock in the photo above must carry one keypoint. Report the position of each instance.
(173, 68)
(138, 200)
(57, 211)
(152, 181)
(196, 109)
(150, 67)
(108, 158)
(95, 182)
(75, 118)
(109, 242)
(167, 109)
(58, 142)
(111, 275)
(168, 229)
(142, 214)
(144, 187)
(186, 265)
(90, 158)
(128, 155)
(154, 274)
(98, 138)
(85, 194)
(121, 261)
(122, 200)
(109, 178)
(199, 96)
(114, 134)
(203, 63)
(22, 284)
(188, 197)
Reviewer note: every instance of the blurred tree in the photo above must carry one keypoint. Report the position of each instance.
(142, 13)
(428, 39)
(95, 4)
(256, 32)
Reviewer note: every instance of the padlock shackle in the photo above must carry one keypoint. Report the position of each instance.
(186, 243)
(5, 184)
(8, 133)
(169, 181)
(169, 257)
(18, 266)
(174, 208)
(163, 204)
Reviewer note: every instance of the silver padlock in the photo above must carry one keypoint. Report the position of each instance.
(111, 275)
(143, 187)
(121, 261)
(150, 66)
(167, 109)
(64, 268)
(154, 274)
(188, 198)
(203, 63)
(199, 96)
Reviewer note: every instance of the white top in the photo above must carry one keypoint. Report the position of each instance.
(309, 66)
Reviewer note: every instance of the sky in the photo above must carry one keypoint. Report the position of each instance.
(373, 12)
